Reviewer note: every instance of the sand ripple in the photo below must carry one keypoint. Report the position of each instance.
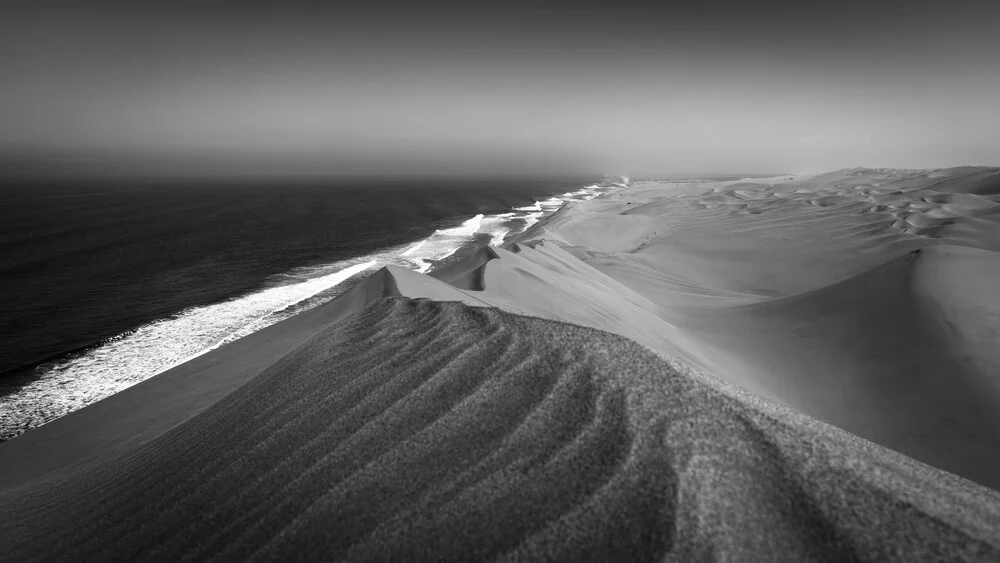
(418, 430)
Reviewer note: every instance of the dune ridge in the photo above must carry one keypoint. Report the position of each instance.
(429, 430)
(798, 368)
(872, 355)
(830, 308)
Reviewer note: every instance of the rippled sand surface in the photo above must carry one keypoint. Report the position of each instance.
(437, 431)
(764, 369)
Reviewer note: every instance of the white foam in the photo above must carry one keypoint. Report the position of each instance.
(303, 291)
(414, 248)
(467, 228)
(531, 220)
(498, 237)
(436, 248)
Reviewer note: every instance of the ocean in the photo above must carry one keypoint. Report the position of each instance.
(105, 284)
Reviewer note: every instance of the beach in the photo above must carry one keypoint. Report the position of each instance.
(788, 368)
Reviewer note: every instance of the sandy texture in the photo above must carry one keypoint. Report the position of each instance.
(139, 414)
(761, 320)
(865, 298)
(437, 431)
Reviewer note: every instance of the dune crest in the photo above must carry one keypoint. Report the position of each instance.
(829, 307)
(429, 430)
(674, 371)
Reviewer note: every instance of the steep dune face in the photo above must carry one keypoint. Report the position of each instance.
(601, 232)
(966, 180)
(961, 283)
(539, 280)
(872, 355)
(442, 417)
(139, 414)
(437, 431)
(468, 273)
(809, 292)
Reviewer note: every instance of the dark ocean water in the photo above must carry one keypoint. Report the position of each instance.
(84, 263)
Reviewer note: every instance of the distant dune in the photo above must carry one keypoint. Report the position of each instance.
(790, 368)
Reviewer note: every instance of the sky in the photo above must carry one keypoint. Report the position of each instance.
(423, 88)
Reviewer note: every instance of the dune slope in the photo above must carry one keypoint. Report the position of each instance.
(539, 280)
(741, 328)
(872, 355)
(437, 431)
(864, 298)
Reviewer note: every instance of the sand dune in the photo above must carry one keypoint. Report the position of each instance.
(736, 371)
(872, 355)
(827, 308)
(422, 430)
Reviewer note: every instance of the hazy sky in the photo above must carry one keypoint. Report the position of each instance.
(418, 87)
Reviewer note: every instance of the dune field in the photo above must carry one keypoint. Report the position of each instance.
(793, 368)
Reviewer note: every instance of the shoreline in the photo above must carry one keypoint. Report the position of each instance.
(850, 352)
(126, 419)
(99, 370)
